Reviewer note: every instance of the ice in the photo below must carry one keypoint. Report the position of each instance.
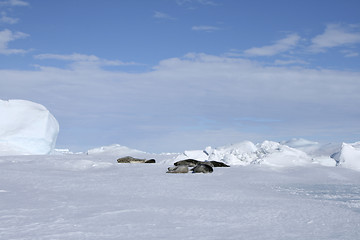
(114, 149)
(26, 128)
(312, 148)
(79, 196)
(349, 156)
(246, 152)
(274, 191)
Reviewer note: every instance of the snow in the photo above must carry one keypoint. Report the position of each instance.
(115, 149)
(80, 196)
(26, 128)
(349, 156)
(296, 189)
(246, 153)
(313, 148)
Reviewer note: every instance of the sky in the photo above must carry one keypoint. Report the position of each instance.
(171, 75)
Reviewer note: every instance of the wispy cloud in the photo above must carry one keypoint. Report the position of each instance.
(349, 53)
(336, 35)
(205, 28)
(290, 62)
(7, 36)
(119, 106)
(161, 15)
(9, 20)
(280, 46)
(203, 2)
(14, 3)
(83, 59)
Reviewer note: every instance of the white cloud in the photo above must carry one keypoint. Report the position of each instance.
(205, 28)
(203, 2)
(5, 19)
(352, 54)
(290, 62)
(280, 46)
(335, 35)
(207, 2)
(14, 3)
(190, 96)
(7, 36)
(348, 53)
(161, 15)
(83, 59)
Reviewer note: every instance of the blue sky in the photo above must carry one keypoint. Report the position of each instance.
(170, 75)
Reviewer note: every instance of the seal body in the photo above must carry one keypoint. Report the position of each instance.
(202, 168)
(187, 162)
(178, 169)
(129, 159)
(219, 164)
(150, 161)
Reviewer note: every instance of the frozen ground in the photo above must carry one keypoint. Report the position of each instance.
(92, 197)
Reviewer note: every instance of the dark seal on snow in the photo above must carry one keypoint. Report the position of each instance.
(202, 168)
(178, 169)
(129, 159)
(150, 161)
(219, 164)
(193, 163)
(187, 162)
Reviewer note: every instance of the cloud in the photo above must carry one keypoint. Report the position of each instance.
(5, 19)
(83, 59)
(205, 28)
(161, 15)
(190, 102)
(290, 62)
(203, 2)
(14, 3)
(7, 36)
(280, 46)
(335, 35)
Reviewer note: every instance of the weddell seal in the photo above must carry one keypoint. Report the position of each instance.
(178, 169)
(202, 168)
(187, 162)
(129, 159)
(219, 164)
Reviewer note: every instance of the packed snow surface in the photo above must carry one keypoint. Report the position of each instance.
(296, 189)
(74, 197)
(26, 128)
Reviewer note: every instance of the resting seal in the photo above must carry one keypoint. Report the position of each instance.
(193, 163)
(187, 162)
(219, 164)
(178, 169)
(202, 168)
(129, 159)
(150, 161)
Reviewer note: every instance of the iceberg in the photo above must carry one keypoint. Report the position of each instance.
(26, 128)
(348, 156)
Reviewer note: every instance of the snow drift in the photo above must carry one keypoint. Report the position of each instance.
(114, 149)
(26, 128)
(245, 153)
(348, 156)
(295, 152)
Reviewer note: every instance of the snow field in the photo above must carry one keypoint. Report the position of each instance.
(93, 197)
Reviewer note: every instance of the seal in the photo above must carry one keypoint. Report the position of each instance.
(129, 159)
(219, 164)
(178, 169)
(202, 168)
(187, 162)
(150, 161)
